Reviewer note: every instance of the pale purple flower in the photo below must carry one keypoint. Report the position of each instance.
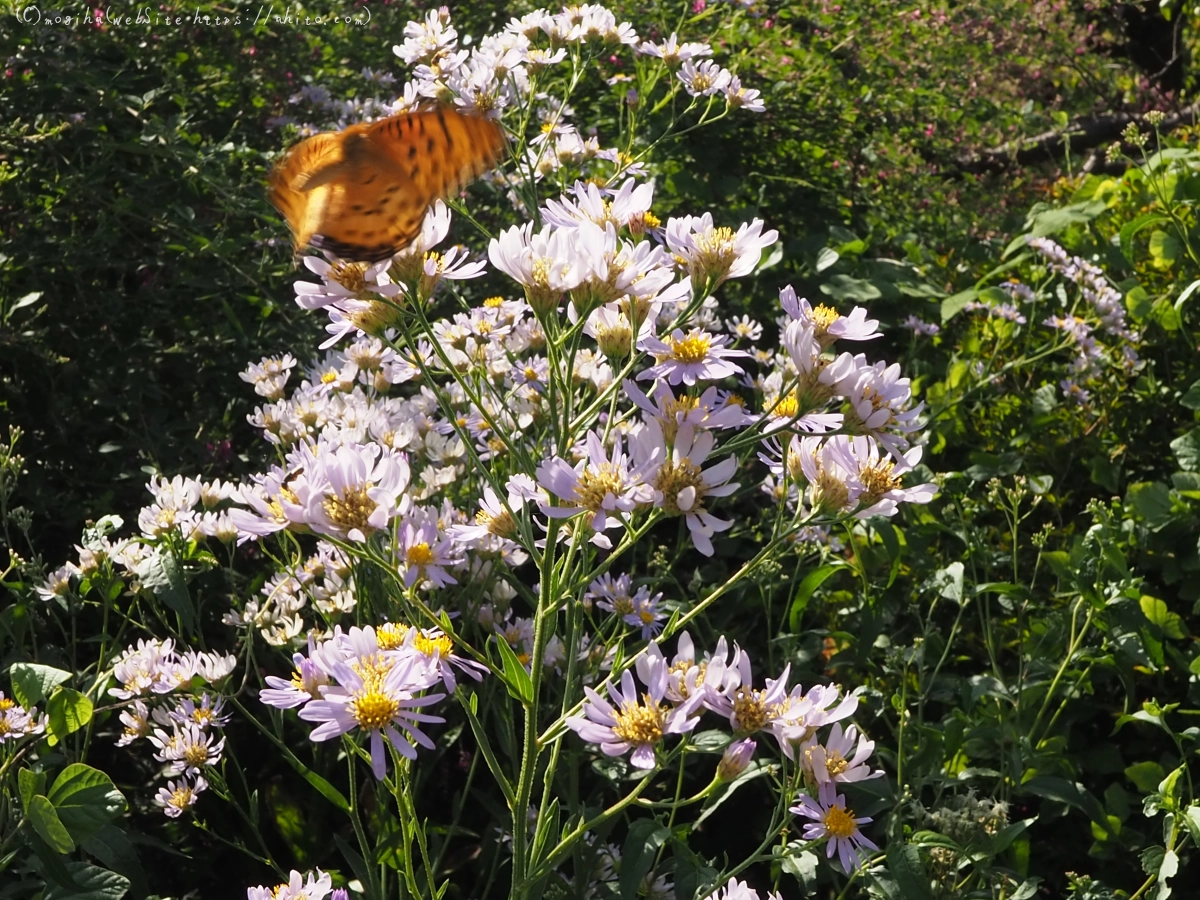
(179, 796)
(296, 888)
(715, 254)
(739, 890)
(704, 79)
(601, 485)
(838, 759)
(672, 52)
(681, 487)
(423, 555)
(379, 694)
(835, 823)
(688, 358)
(631, 719)
(353, 490)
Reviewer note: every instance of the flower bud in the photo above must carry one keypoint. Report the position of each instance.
(735, 759)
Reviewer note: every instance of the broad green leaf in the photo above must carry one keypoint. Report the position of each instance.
(86, 800)
(904, 864)
(642, 841)
(1192, 398)
(1157, 612)
(68, 711)
(46, 823)
(1046, 221)
(1152, 501)
(30, 783)
(162, 574)
(949, 582)
(857, 290)
(826, 258)
(955, 303)
(112, 847)
(94, 883)
(1146, 775)
(32, 682)
(1132, 227)
(1165, 248)
(1186, 448)
(1187, 292)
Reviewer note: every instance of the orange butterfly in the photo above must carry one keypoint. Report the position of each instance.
(362, 193)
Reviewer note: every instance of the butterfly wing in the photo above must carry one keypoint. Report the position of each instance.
(367, 198)
(303, 209)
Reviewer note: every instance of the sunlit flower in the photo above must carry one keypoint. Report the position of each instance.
(17, 722)
(715, 254)
(315, 887)
(179, 796)
(838, 759)
(634, 720)
(691, 357)
(835, 823)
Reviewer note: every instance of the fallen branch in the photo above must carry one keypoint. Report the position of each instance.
(1081, 135)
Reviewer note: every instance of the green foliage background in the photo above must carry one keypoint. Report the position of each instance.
(142, 268)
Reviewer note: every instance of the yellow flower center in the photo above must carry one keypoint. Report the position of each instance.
(823, 317)
(419, 555)
(440, 643)
(674, 477)
(349, 275)
(839, 822)
(502, 525)
(785, 407)
(640, 724)
(371, 707)
(6, 704)
(691, 349)
(351, 510)
(595, 485)
(181, 797)
(376, 318)
(878, 480)
(493, 302)
(835, 764)
(750, 710)
(329, 377)
(390, 635)
(195, 754)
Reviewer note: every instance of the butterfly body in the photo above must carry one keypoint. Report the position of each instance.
(362, 193)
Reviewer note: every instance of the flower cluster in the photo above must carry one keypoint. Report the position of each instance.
(316, 886)
(1104, 313)
(16, 721)
(371, 679)
(184, 728)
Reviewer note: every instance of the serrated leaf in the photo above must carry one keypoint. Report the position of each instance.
(32, 682)
(94, 883)
(162, 574)
(86, 800)
(46, 823)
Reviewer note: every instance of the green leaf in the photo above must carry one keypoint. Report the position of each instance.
(904, 864)
(94, 883)
(357, 864)
(1165, 248)
(826, 258)
(162, 574)
(86, 800)
(1146, 775)
(324, 788)
(949, 582)
(46, 823)
(1192, 398)
(111, 846)
(857, 290)
(1157, 612)
(1152, 501)
(1133, 227)
(1046, 221)
(68, 711)
(32, 682)
(804, 592)
(30, 782)
(955, 303)
(1187, 292)
(516, 679)
(1186, 448)
(642, 841)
